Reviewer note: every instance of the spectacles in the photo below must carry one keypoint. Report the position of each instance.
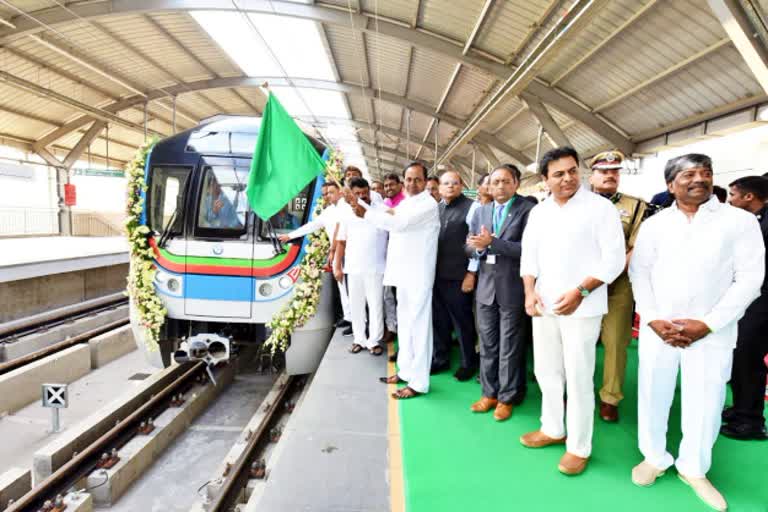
(501, 182)
(454, 183)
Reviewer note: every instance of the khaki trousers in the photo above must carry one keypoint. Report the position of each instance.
(615, 334)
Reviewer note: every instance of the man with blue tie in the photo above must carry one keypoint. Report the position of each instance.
(495, 237)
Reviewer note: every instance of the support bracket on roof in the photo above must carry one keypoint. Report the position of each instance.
(747, 36)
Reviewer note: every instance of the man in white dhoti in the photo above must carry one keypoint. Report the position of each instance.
(361, 253)
(411, 254)
(696, 267)
(328, 220)
(572, 247)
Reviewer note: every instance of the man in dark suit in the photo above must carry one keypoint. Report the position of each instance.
(745, 419)
(495, 235)
(454, 280)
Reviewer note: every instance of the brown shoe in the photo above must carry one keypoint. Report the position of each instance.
(609, 413)
(572, 465)
(485, 404)
(539, 439)
(503, 411)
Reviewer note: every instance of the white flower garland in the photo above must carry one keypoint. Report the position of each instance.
(303, 305)
(141, 288)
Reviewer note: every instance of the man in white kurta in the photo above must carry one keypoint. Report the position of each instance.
(328, 220)
(411, 254)
(696, 267)
(572, 247)
(363, 250)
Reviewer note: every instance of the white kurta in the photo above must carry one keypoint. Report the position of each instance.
(411, 257)
(364, 260)
(561, 246)
(327, 219)
(708, 268)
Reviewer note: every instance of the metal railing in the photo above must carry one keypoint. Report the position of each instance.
(28, 221)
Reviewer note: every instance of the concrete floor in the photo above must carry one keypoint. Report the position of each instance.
(171, 484)
(28, 429)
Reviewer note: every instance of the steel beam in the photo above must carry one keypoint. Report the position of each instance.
(488, 154)
(419, 38)
(49, 94)
(546, 121)
(478, 25)
(739, 28)
(83, 143)
(664, 74)
(570, 24)
(251, 82)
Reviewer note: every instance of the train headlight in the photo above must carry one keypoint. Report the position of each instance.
(173, 284)
(265, 289)
(285, 282)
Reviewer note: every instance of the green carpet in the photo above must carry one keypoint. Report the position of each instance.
(458, 461)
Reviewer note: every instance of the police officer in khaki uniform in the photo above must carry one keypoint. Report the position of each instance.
(616, 330)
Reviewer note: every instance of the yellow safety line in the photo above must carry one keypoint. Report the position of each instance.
(396, 487)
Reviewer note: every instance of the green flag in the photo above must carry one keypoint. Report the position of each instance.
(284, 162)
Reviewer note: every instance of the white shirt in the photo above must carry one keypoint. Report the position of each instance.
(708, 268)
(413, 232)
(563, 245)
(327, 219)
(366, 245)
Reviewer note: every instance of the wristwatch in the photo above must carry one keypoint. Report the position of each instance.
(583, 291)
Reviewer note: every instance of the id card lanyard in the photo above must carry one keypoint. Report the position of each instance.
(499, 221)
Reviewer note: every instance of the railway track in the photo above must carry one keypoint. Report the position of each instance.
(47, 495)
(250, 464)
(19, 362)
(14, 329)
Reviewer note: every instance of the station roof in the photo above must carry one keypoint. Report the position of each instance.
(385, 80)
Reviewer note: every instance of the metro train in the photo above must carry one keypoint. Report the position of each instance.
(221, 271)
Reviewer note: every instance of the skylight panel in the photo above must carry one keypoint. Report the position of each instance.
(233, 33)
(297, 44)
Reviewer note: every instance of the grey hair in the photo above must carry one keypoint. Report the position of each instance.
(682, 163)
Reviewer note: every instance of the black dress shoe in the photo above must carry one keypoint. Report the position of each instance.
(729, 414)
(464, 373)
(347, 331)
(744, 432)
(439, 368)
(342, 323)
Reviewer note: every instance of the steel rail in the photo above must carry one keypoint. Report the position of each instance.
(238, 475)
(17, 363)
(86, 461)
(62, 313)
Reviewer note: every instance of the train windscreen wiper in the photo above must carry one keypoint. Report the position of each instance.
(166, 234)
(276, 245)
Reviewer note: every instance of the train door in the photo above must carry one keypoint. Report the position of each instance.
(220, 251)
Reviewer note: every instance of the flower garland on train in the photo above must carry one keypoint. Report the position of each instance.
(303, 304)
(141, 275)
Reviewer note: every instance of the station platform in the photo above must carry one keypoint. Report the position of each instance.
(334, 454)
(454, 460)
(38, 274)
(29, 257)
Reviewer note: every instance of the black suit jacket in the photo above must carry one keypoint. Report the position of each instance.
(501, 282)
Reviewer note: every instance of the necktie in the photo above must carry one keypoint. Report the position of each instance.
(497, 220)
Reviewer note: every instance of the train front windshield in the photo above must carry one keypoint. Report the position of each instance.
(223, 204)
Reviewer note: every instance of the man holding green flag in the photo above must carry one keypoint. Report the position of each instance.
(284, 162)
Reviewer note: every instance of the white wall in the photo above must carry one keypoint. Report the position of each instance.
(733, 156)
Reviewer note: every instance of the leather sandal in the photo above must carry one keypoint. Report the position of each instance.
(405, 393)
(355, 348)
(392, 379)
